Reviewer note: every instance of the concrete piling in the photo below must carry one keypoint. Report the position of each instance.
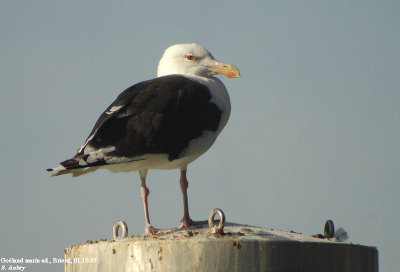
(235, 248)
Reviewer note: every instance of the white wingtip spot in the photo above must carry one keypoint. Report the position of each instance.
(82, 162)
(113, 109)
(89, 149)
(99, 154)
(58, 168)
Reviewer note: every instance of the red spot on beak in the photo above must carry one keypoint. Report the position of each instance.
(231, 74)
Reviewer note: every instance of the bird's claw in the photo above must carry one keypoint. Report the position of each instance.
(187, 222)
(150, 229)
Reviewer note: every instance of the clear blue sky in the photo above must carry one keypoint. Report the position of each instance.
(313, 135)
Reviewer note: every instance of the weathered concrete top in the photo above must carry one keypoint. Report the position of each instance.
(238, 248)
(231, 230)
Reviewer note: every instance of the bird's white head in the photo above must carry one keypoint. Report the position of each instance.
(193, 59)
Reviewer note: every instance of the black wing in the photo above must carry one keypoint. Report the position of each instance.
(156, 116)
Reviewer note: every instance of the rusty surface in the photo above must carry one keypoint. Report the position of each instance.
(238, 247)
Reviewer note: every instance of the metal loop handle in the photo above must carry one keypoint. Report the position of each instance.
(123, 226)
(220, 227)
(329, 230)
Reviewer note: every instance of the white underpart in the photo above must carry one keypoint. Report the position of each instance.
(148, 161)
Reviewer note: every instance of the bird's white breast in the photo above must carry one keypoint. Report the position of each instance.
(220, 97)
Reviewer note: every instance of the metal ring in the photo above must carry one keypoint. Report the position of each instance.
(329, 230)
(220, 227)
(124, 234)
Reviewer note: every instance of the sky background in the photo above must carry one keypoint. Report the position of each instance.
(313, 135)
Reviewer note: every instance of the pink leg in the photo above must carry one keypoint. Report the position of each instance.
(186, 220)
(145, 193)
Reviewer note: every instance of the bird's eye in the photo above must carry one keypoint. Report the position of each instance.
(190, 57)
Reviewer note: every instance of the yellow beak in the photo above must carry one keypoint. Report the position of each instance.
(225, 69)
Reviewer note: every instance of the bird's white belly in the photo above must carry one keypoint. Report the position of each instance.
(154, 161)
(195, 149)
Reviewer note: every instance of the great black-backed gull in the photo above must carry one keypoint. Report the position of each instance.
(162, 123)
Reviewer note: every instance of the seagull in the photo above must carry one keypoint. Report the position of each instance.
(163, 123)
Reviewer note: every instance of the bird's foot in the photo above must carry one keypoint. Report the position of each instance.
(187, 222)
(152, 230)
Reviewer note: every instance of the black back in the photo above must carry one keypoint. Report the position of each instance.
(160, 115)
